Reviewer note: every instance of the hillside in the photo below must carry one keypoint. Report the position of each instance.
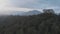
(22, 13)
(44, 23)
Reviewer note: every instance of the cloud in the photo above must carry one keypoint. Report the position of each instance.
(37, 4)
(8, 6)
(34, 3)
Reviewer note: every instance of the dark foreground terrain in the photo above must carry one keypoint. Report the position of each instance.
(44, 23)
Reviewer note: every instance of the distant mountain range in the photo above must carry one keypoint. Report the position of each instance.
(22, 13)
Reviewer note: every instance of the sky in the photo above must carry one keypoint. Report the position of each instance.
(7, 6)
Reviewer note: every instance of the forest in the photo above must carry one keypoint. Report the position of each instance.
(45, 23)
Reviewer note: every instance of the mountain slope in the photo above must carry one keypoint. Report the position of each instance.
(34, 12)
(22, 13)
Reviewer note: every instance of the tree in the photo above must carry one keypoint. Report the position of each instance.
(48, 11)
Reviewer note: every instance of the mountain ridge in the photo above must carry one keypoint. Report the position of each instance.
(22, 13)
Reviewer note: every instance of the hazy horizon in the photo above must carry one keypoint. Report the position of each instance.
(8, 6)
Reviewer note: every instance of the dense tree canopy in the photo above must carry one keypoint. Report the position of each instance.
(43, 23)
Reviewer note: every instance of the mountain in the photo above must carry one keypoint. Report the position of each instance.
(34, 12)
(22, 13)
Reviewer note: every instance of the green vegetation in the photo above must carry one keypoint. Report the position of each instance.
(44, 23)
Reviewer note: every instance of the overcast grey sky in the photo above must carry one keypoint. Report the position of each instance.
(7, 6)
